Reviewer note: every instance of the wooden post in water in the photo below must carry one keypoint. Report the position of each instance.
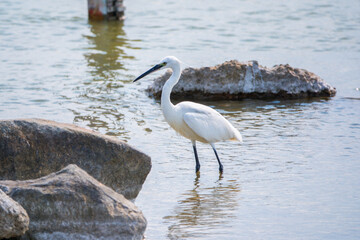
(106, 9)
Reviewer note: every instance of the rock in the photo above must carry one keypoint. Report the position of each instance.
(14, 220)
(32, 148)
(235, 80)
(70, 204)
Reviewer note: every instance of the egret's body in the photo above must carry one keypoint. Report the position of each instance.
(194, 121)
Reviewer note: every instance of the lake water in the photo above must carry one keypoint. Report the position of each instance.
(297, 175)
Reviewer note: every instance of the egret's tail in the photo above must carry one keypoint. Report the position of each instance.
(237, 136)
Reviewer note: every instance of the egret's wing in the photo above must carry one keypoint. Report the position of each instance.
(210, 125)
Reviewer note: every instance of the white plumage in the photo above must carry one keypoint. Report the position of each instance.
(194, 121)
(208, 125)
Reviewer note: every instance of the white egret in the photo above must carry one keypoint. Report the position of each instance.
(194, 121)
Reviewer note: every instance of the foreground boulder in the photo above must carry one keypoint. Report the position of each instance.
(14, 220)
(70, 204)
(32, 148)
(235, 80)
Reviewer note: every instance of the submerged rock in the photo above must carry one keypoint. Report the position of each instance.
(235, 80)
(70, 204)
(33, 148)
(14, 220)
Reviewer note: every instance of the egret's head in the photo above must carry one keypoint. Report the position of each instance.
(167, 62)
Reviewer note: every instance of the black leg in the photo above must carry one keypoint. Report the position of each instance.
(196, 159)
(221, 168)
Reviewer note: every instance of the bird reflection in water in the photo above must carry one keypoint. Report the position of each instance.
(203, 209)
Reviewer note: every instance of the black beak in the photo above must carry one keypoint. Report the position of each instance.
(153, 69)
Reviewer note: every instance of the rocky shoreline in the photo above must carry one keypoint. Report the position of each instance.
(234, 80)
(60, 181)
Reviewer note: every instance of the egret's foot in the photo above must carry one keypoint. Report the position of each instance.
(197, 177)
(220, 176)
(221, 168)
(197, 169)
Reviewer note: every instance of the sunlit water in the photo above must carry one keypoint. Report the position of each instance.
(297, 175)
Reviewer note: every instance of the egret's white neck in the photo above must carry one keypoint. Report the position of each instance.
(166, 105)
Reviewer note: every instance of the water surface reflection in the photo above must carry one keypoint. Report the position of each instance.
(103, 87)
(107, 48)
(203, 209)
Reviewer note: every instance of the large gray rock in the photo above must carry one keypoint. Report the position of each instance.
(32, 148)
(235, 80)
(70, 204)
(14, 220)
